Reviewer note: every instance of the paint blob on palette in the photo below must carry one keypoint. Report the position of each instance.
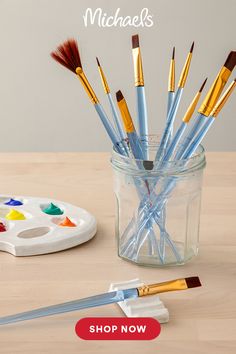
(32, 226)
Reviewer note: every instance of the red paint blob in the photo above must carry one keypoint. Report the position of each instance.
(2, 227)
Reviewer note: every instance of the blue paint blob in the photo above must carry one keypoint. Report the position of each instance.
(14, 202)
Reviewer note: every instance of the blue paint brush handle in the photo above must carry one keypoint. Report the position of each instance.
(186, 152)
(198, 122)
(92, 301)
(146, 197)
(142, 118)
(175, 141)
(136, 146)
(169, 123)
(172, 147)
(109, 129)
(197, 140)
(116, 118)
(170, 100)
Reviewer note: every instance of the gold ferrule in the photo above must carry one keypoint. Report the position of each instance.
(220, 104)
(171, 81)
(126, 117)
(214, 92)
(184, 73)
(178, 284)
(138, 68)
(191, 108)
(84, 81)
(104, 80)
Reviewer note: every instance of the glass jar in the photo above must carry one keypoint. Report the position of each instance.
(158, 208)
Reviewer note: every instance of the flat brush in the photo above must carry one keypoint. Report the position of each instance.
(67, 54)
(140, 91)
(104, 299)
(211, 119)
(134, 141)
(171, 89)
(107, 91)
(185, 121)
(174, 107)
(208, 103)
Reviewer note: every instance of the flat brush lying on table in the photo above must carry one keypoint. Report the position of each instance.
(104, 299)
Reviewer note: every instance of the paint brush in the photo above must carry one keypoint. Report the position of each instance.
(188, 115)
(140, 91)
(185, 121)
(208, 103)
(134, 141)
(67, 54)
(189, 151)
(171, 90)
(204, 111)
(137, 151)
(104, 299)
(211, 119)
(174, 107)
(115, 115)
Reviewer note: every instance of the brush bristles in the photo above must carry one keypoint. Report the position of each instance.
(193, 282)
(135, 41)
(191, 49)
(119, 96)
(202, 87)
(98, 61)
(231, 61)
(173, 53)
(67, 54)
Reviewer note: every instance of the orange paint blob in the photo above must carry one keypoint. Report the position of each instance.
(67, 222)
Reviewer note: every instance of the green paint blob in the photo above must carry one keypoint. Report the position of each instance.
(52, 209)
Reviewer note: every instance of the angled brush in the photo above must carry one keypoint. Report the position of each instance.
(67, 54)
(134, 141)
(140, 91)
(104, 299)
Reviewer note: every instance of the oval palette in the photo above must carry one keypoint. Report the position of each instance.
(32, 226)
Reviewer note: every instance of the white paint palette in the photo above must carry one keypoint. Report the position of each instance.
(40, 232)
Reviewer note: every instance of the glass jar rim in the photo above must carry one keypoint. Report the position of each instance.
(131, 166)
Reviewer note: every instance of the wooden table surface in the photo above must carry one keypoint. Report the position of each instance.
(202, 320)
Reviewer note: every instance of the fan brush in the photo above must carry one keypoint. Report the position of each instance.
(67, 54)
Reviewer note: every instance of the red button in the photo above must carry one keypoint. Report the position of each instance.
(117, 328)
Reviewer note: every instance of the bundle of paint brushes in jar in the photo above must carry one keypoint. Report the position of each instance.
(157, 182)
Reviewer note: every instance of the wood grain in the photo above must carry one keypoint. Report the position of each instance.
(201, 320)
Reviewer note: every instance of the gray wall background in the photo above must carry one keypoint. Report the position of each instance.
(43, 106)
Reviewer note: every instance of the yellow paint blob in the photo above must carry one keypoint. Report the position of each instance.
(15, 215)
